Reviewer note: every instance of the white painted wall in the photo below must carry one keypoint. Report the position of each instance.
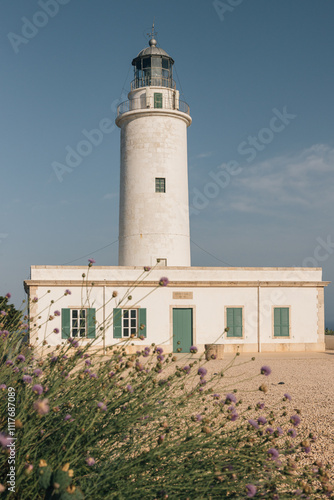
(153, 144)
(214, 274)
(208, 302)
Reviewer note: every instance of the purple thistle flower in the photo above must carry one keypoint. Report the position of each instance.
(5, 440)
(9, 362)
(56, 330)
(295, 420)
(93, 375)
(253, 423)
(251, 490)
(87, 371)
(273, 453)
(57, 313)
(202, 381)
(129, 388)
(4, 334)
(269, 430)
(292, 433)
(54, 359)
(163, 281)
(186, 369)
(306, 449)
(35, 299)
(230, 398)
(198, 417)
(265, 370)
(67, 417)
(234, 415)
(90, 461)
(111, 374)
(159, 350)
(193, 349)
(16, 369)
(8, 295)
(3, 313)
(147, 268)
(280, 431)
(216, 396)
(27, 379)
(38, 389)
(261, 420)
(160, 358)
(41, 406)
(260, 406)
(38, 372)
(91, 261)
(20, 357)
(102, 406)
(88, 362)
(3, 387)
(287, 397)
(68, 292)
(202, 371)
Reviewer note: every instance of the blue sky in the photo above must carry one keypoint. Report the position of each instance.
(240, 64)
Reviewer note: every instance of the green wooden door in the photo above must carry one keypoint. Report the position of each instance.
(182, 329)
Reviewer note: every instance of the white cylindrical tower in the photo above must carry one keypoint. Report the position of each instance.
(154, 206)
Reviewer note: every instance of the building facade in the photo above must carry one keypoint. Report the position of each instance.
(245, 309)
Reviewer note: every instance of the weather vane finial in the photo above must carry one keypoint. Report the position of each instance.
(152, 34)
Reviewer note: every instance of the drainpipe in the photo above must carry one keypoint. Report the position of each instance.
(258, 318)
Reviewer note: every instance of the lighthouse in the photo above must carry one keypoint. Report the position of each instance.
(154, 205)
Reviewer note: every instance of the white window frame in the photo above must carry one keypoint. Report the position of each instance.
(132, 326)
(78, 327)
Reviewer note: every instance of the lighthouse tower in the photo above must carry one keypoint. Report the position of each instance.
(154, 208)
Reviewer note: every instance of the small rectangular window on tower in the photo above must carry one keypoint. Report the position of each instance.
(160, 185)
(157, 100)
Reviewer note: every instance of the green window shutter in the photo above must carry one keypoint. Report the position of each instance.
(91, 323)
(229, 321)
(157, 100)
(277, 322)
(142, 321)
(234, 321)
(237, 320)
(117, 322)
(281, 322)
(65, 323)
(284, 321)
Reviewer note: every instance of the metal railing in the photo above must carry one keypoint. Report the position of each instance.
(152, 81)
(141, 103)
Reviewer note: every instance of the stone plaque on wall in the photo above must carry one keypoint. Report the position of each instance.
(182, 295)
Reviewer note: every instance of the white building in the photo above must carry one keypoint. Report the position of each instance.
(264, 309)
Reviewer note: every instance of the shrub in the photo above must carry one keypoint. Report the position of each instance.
(146, 425)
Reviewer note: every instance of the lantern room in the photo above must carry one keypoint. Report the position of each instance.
(153, 67)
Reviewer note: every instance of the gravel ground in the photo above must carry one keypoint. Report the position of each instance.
(307, 377)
